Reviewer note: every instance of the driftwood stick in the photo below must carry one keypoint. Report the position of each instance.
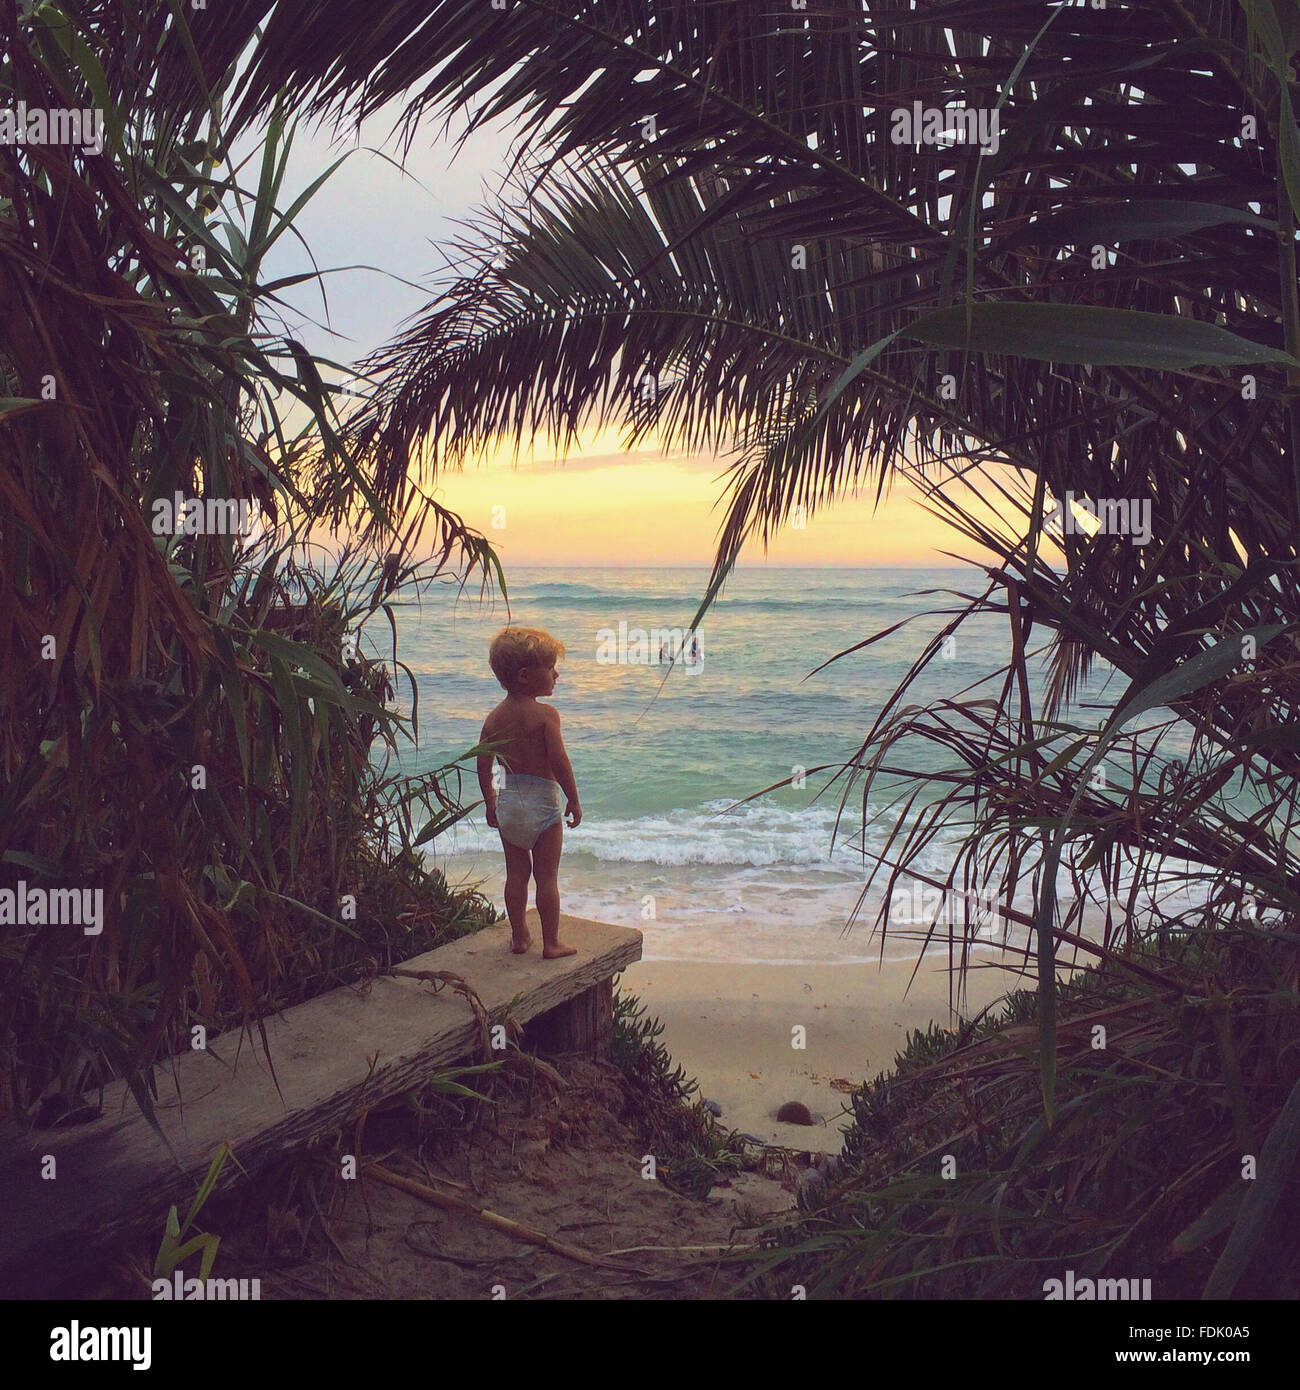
(686, 1249)
(491, 1218)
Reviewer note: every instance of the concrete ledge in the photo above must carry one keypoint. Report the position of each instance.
(115, 1178)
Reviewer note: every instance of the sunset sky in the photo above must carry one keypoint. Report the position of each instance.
(606, 507)
(597, 506)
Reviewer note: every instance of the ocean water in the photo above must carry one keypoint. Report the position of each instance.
(678, 837)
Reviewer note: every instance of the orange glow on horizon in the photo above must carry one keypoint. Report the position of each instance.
(605, 505)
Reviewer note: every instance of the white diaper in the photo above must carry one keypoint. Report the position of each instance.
(527, 806)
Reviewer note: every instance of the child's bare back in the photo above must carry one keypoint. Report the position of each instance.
(526, 809)
(520, 727)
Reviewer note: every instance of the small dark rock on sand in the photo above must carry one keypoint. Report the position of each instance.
(794, 1112)
(713, 1107)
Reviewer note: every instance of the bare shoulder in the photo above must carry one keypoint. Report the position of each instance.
(491, 723)
(550, 715)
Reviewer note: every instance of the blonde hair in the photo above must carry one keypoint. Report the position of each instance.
(513, 648)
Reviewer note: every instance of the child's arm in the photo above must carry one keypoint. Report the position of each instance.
(484, 765)
(561, 766)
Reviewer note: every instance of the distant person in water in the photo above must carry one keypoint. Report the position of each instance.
(535, 770)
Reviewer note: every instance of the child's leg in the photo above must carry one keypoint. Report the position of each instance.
(546, 874)
(519, 865)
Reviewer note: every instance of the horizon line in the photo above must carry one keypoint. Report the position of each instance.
(555, 564)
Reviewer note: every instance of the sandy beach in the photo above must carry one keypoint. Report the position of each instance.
(731, 1027)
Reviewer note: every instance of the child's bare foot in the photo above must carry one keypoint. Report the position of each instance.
(559, 949)
(518, 945)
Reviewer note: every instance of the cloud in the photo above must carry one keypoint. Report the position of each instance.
(586, 463)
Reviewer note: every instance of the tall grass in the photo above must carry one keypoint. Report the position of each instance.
(1170, 1157)
(201, 725)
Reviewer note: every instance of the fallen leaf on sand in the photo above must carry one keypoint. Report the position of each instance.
(838, 1083)
(754, 1074)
